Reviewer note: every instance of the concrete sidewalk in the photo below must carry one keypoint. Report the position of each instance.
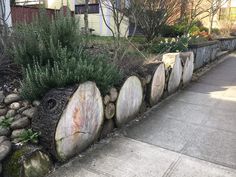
(192, 134)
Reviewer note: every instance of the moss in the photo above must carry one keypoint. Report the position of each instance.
(38, 165)
(28, 161)
(12, 165)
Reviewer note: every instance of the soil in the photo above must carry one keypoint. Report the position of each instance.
(10, 76)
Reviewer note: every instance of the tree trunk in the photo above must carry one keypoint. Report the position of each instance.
(27, 161)
(157, 84)
(188, 66)
(70, 121)
(86, 23)
(129, 100)
(173, 65)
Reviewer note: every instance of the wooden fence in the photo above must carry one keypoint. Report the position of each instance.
(24, 14)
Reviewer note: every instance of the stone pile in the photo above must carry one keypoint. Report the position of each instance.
(15, 118)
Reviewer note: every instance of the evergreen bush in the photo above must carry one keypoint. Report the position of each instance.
(53, 54)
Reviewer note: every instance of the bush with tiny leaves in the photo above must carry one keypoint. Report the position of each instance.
(53, 54)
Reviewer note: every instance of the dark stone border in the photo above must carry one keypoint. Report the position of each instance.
(203, 44)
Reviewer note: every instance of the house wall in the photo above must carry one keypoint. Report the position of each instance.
(51, 4)
(217, 22)
(57, 4)
(97, 23)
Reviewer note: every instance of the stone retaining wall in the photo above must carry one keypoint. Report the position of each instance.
(207, 51)
(227, 43)
(204, 53)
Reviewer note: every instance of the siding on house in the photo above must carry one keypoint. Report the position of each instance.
(51, 4)
(97, 23)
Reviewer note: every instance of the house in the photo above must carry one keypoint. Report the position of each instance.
(99, 16)
(51, 4)
(95, 18)
(225, 18)
(5, 13)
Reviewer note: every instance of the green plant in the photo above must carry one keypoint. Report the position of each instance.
(172, 30)
(194, 29)
(216, 31)
(6, 122)
(28, 136)
(53, 54)
(36, 42)
(67, 71)
(179, 44)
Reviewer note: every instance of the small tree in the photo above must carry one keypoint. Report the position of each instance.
(5, 24)
(201, 9)
(86, 17)
(153, 14)
(120, 14)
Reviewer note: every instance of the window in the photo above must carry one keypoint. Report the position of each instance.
(92, 9)
(81, 2)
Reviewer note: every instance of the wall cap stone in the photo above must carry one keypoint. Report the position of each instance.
(203, 44)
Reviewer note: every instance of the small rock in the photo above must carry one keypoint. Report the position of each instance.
(3, 111)
(30, 112)
(17, 117)
(2, 106)
(17, 133)
(15, 90)
(16, 140)
(5, 131)
(21, 123)
(3, 138)
(15, 106)
(12, 98)
(26, 103)
(22, 109)
(5, 149)
(2, 96)
(11, 113)
(36, 103)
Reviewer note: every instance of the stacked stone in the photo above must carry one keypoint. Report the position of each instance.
(18, 114)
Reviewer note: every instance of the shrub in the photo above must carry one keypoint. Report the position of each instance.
(203, 28)
(197, 40)
(35, 42)
(172, 30)
(67, 71)
(53, 54)
(194, 30)
(216, 31)
(179, 44)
